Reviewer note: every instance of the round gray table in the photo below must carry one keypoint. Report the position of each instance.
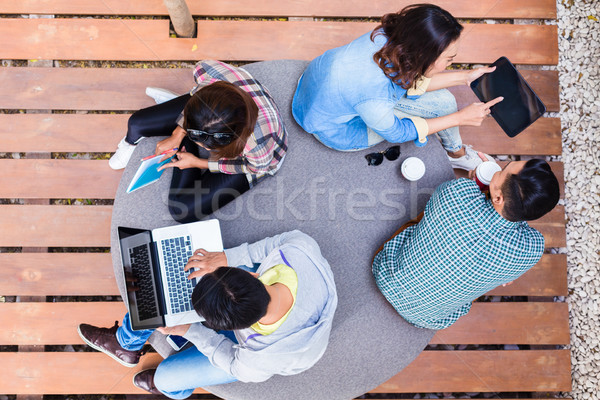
(350, 209)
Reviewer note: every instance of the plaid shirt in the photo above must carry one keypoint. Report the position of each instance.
(461, 249)
(267, 145)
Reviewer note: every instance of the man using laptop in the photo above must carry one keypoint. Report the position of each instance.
(274, 321)
(466, 244)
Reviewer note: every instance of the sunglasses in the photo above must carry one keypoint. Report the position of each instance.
(391, 153)
(199, 136)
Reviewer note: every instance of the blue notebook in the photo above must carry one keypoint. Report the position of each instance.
(147, 173)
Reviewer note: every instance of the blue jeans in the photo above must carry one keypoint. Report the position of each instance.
(178, 375)
(430, 105)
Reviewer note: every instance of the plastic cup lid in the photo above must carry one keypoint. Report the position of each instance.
(413, 168)
(486, 170)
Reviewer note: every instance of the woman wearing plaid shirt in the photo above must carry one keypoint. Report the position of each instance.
(228, 132)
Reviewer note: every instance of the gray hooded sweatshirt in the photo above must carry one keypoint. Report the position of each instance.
(302, 338)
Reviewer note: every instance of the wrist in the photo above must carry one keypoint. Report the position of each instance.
(456, 119)
(178, 133)
(202, 163)
(466, 78)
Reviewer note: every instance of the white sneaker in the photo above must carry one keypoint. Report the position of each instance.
(469, 161)
(160, 95)
(121, 157)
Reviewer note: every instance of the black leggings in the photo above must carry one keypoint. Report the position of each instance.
(194, 193)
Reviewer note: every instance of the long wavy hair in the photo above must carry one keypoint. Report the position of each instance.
(222, 107)
(417, 36)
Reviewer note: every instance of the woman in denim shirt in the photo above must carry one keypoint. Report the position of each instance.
(386, 85)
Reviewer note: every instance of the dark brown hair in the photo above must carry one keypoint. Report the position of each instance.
(222, 107)
(416, 37)
(531, 193)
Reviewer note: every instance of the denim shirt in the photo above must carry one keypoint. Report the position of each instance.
(343, 91)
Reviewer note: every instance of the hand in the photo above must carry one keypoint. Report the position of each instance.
(170, 143)
(473, 74)
(483, 158)
(475, 113)
(205, 262)
(178, 330)
(184, 160)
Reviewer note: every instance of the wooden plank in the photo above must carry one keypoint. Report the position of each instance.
(62, 133)
(510, 323)
(484, 371)
(91, 274)
(552, 226)
(547, 278)
(544, 83)
(69, 133)
(89, 226)
(55, 226)
(542, 137)
(52, 373)
(123, 89)
(57, 274)
(432, 371)
(70, 179)
(486, 323)
(58, 179)
(72, 89)
(126, 39)
(56, 323)
(545, 9)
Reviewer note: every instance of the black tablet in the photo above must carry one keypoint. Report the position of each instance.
(520, 107)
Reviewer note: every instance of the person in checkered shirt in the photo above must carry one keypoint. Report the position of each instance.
(225, 136)
(466, 244)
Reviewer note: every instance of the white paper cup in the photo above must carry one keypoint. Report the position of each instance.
(484, 174)
(413, 168)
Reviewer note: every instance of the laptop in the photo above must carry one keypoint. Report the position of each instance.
(521, 106)
(156, 259)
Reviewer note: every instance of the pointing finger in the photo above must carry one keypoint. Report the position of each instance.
(495, 101)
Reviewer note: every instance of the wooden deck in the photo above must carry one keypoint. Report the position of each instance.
(49, 112)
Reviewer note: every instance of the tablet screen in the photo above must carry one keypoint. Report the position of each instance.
(520, 107)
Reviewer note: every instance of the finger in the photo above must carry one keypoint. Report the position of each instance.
(183, 150)
(196, 274)
(487, 70)
(482, 156)
(201, 251)
(493, 102)
(193, 264)
(168, 165)
(197, 257)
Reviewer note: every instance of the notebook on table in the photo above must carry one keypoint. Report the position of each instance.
(155, 259)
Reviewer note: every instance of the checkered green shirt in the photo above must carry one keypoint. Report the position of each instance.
(461, 249)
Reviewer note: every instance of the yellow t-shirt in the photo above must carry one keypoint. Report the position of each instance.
(280, 273)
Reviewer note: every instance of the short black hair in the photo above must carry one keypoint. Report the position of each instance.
(531, 193)
(230, 298)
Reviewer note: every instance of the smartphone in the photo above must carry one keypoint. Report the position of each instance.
(520, 107)
(177, 342)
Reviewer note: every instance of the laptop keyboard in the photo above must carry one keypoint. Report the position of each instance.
(140, 265)
(177, 252)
